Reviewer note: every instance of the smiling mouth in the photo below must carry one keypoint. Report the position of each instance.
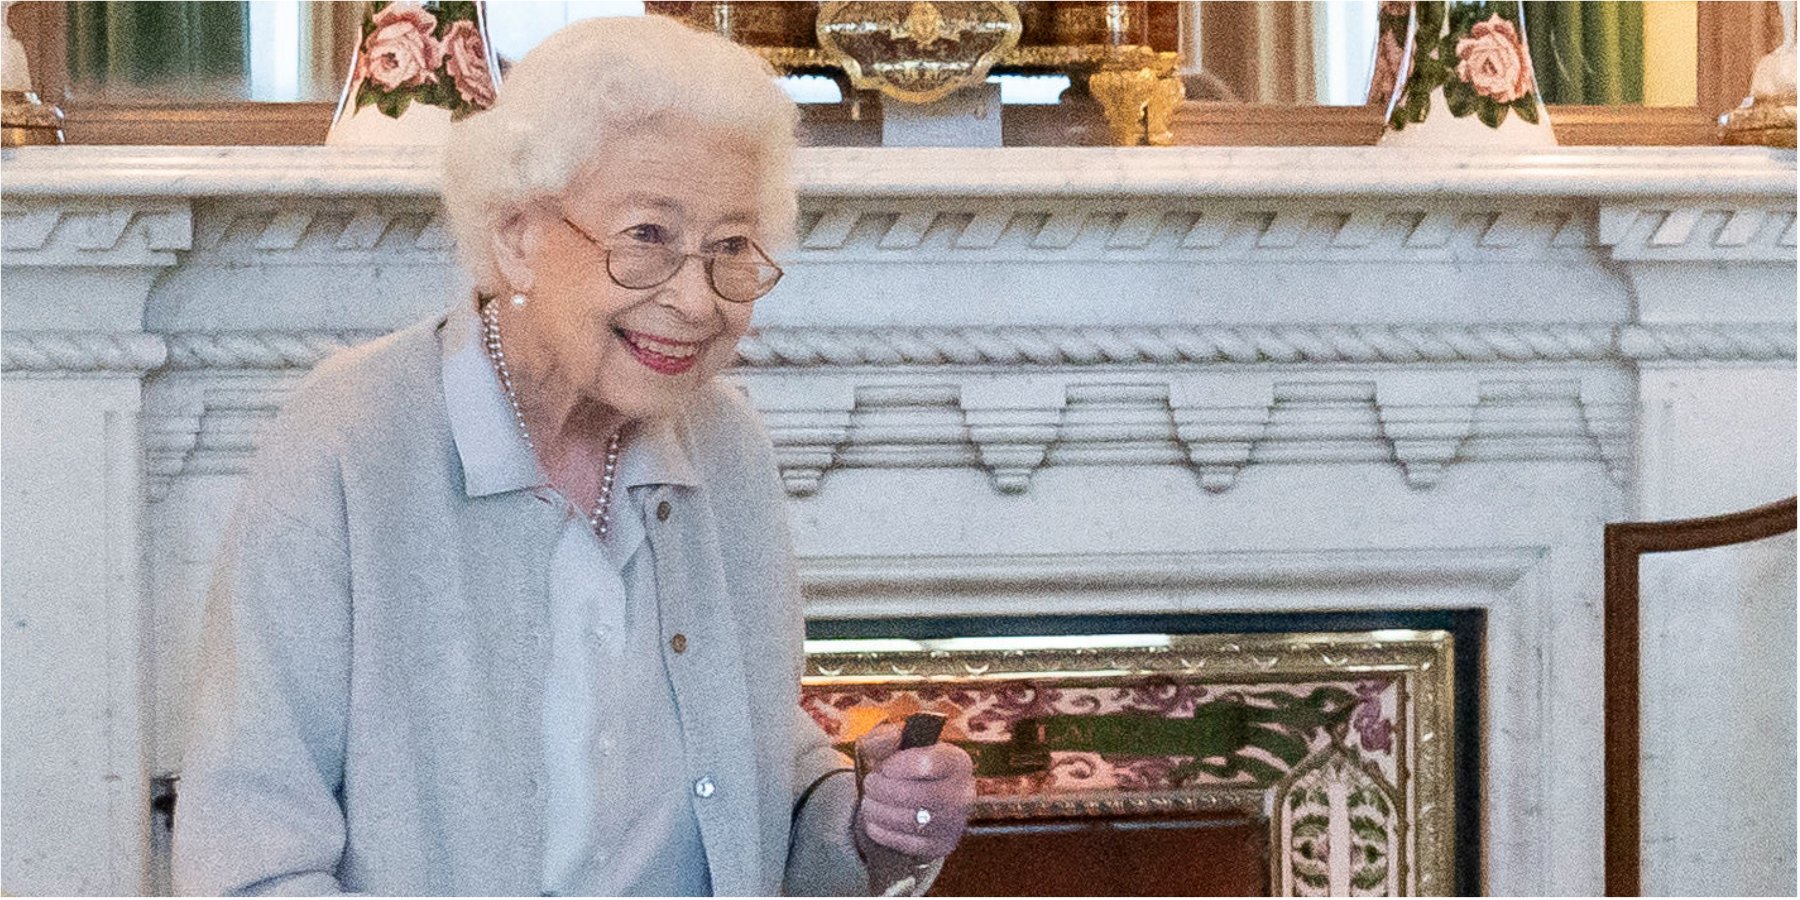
(661, 354)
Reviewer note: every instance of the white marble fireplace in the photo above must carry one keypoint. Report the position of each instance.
(1001, 382)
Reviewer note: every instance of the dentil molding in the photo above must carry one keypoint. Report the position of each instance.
(94, 232)
(880, 398)
(74, 231)
(1215, 424)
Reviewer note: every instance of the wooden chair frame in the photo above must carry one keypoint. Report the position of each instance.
(1625, 543)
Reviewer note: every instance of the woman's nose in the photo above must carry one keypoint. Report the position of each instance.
(690, 292)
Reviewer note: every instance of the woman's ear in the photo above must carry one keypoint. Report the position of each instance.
(514, 247)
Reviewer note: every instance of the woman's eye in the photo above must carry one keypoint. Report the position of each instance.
(649, 234)
(732, 246)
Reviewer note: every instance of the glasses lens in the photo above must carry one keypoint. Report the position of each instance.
(641, 267)
(744, 280)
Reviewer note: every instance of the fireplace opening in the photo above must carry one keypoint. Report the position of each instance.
(1188, 754)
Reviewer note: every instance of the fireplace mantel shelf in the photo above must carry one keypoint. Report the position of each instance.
(1243, 172)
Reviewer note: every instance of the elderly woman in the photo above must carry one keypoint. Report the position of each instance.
(508, 605)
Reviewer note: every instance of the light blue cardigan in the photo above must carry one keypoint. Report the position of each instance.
(375, 652)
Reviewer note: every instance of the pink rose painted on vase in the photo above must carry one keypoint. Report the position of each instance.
(433, 53)
(401, 52)
(1468, 57)
(467, 64)
(1494, 61)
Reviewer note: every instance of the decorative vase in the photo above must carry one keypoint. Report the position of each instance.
(416, 68)
(1463, 79)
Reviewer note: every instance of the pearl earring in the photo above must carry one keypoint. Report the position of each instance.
(518, 301)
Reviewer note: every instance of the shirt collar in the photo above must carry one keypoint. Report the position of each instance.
(494, 458)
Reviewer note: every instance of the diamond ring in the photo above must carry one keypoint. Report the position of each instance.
(922, 818)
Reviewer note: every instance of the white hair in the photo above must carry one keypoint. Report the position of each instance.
(593, 80)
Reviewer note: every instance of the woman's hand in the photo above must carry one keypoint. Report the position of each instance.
(914, 802)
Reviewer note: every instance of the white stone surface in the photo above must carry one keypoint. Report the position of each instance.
(78, 674)
(1020, 381)
(1653, 173)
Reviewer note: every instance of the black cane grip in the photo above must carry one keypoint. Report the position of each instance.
(921, 730)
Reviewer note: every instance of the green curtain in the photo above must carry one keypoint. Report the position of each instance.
(193, 44)
(1588, 51)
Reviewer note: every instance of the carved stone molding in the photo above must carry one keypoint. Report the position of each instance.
(98, 232)
(52, 353)
(1029, 346)
(210, 432)
(810, 348)
(341, 232)
(1217, 430)
(1719, 343)
(1688, 232)
(259, 349)
(1036, 230)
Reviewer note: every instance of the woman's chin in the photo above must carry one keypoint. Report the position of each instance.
(646, 394)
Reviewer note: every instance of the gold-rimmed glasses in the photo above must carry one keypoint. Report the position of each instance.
(741, 276)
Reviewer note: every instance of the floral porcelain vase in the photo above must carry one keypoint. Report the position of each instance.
(1457, 74)
(417, 67)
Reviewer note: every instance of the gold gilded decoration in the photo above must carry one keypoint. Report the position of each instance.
(916, 52)
(1342, 739)
(1138, 103)
(1159, 111)
(24, 119)
(1766, 123)
(1766, 117)
(28, 120)
(919, 52)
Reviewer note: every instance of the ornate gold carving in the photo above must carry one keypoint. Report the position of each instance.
(1138, 103)
(919, 52)
(916, 52)
(1122, 803)
(1159, 111)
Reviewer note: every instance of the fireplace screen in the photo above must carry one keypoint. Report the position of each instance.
(1285, 764)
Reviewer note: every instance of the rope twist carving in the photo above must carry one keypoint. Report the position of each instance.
(1642, 342)
(1017, 346)
(1170, 345)
(78, 351)
(259, 349)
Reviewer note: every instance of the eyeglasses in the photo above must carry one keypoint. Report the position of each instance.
(741, 276)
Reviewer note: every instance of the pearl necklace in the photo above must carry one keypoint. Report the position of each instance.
(598, 519)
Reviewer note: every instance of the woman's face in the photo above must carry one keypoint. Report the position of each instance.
(642, 352)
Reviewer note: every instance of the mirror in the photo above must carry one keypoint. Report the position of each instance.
(1286, 52)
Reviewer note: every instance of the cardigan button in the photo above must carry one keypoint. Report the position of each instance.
(704, 787)
(678, 643)
(662, 511)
